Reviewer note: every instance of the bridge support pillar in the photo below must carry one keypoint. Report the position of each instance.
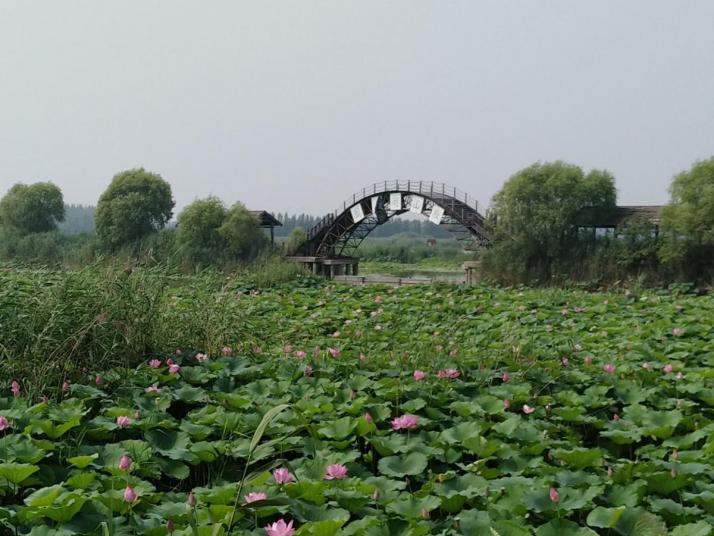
(472, 272)
(329, 266)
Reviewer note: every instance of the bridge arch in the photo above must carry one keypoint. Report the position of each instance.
(342, 231)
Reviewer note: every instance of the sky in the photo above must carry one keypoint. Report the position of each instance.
(294, 105)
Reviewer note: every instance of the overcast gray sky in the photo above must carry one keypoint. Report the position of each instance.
(293, 105)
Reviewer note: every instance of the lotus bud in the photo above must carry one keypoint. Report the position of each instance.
(191, 500)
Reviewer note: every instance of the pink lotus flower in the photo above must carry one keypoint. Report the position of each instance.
(254, 496)
(578, 348)
(4, 423)
(170, 527)
(124, 463)
(588, 359)
(667, 368)
(564, 361)
(336, 334)
(334, 352)
(174, 368)
(257, 350)
(178, 352)
(300, 354)
(368, 418)
(152, 388)
(200, 357)
(15, 388)
(308, 370)
(287, 349)
(449, 373)
(191, 500)
(609, 368)
(506, 404)
(647, 366)
(505, 377)
(123, 421)
(155, 363)
(130, 495)
(335, 471)
(419, 375)
(677, 332)
(405, 422)
(283, 476)
(280, 528)
(65, 387)
(615, 417)
(553, 494)
(227, 351)
(527, 409)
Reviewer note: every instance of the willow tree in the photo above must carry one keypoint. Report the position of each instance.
(543, 216)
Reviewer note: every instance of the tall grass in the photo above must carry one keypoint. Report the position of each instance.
(58, 325)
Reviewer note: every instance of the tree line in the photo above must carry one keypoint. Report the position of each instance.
(544, 224)
(130, 218)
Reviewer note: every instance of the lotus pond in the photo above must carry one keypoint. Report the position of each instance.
(373, 411)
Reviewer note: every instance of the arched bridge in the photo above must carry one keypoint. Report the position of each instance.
(341, 232)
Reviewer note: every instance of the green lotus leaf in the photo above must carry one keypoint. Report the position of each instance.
(83, 461)
(44, 496)
(413, 463)
(338, 429)
(409, 506)
(579, 458)
(22, 449)
(702, 528)
(17, 472)
(171, 443)
(605, 518)
(563, 527)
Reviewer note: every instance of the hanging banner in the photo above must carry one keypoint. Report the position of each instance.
(374, 200)
(416, 205)
(395, 201)
(436, 214)
(357, 213)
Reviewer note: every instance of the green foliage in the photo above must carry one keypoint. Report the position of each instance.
(220, 424)
(688, 222)
(296, 241)
(135, 204)
(243, 238)
(198, 232)
(538, 216)
(34, 208)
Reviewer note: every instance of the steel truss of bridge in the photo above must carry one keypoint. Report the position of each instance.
(341, 232)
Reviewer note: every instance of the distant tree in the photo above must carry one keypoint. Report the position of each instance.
(538, 215)
(296, 240)
(198, 233)
(78, 219)
(135, 204)
(34, 208)
(688, 221)
(244, 239)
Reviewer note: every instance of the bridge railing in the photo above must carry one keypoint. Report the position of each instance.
(432, 189)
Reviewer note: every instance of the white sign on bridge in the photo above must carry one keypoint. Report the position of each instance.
(357, 213)
(416, 205)
(395, 201)
(436, 214)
